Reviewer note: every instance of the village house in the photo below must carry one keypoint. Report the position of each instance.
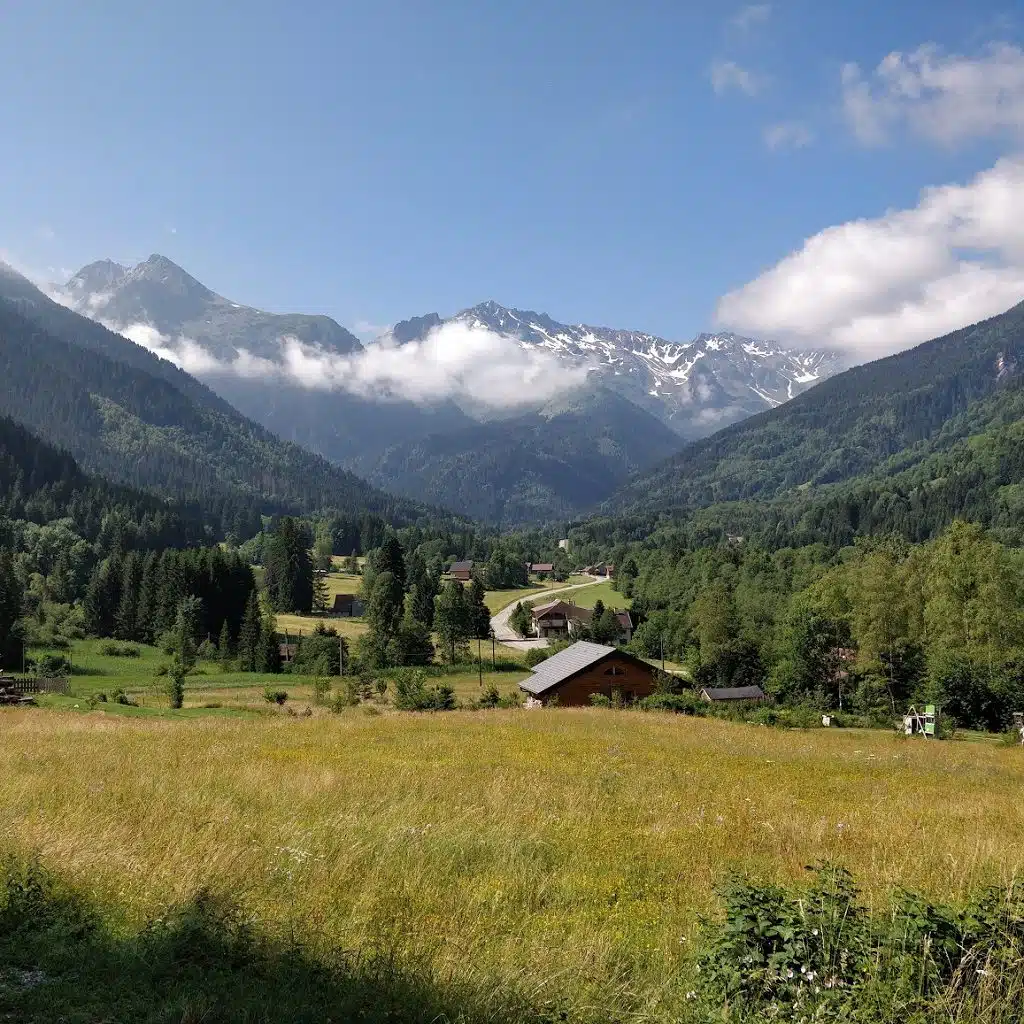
(462, 571)
(347, 606)
(571, 676)
(542, 569)
(716, 694)
(558, 619)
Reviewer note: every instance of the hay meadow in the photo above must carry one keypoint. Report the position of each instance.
(561, 857)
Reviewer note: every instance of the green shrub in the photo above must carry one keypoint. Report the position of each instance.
(600, 700)
(272, 696)
(50, 665)
(816, 954)
(413, 694)
(120, 697)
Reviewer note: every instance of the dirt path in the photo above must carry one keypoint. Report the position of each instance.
(506, 635)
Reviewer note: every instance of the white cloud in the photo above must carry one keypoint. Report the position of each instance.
(727, 74)
(877, 286)
(753, 14)
(787, 135)
(945, 98)
(454, 361)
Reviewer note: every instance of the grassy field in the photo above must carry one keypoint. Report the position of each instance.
(234, 692)
(559, 857)
(498, 599)
(589, 596)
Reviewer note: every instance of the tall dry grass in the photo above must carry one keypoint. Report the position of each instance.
(564, 852)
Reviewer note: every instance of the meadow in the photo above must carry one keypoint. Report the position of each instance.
(211, 690)
(545, 865)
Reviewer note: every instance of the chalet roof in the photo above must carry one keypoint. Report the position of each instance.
(561, 666)
(570, 611)
(542, 567)
(733, 693)
(343, 599)
(625, 620)
(462, 566)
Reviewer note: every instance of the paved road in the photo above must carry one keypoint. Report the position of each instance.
(506, 635)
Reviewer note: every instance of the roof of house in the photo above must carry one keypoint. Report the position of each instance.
(462, 566)
(625, 620)
(343, 599)
(569, 610)
(733, 693)
(542, 567)
(563, 665)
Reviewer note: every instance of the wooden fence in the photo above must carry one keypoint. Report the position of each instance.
(34, 684)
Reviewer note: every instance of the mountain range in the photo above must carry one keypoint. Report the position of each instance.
(132, 417)
(904, 445)
(634, 397)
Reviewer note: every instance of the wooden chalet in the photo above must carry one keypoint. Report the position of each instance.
(558, 618)
(461, 571)
(542, 569)
(573, 675)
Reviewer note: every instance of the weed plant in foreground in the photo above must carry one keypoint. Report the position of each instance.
(532, 863)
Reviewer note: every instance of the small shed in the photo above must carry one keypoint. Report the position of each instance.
(347, 606)
(726, 693)
(462, 570)
(542, 568)
(586, 668)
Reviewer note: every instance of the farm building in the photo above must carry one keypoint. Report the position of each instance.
(542, 569)
(725, 693)
(347, 606)
(558, 618)
(461, 570)
(574, 674)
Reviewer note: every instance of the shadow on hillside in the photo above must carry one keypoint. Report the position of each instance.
(202, 964)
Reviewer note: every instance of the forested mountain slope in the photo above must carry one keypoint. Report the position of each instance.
(159, 430)
(41, 484)
(908, 408)
(538, 466)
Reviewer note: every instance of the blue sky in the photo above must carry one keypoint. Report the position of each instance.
(627, 164)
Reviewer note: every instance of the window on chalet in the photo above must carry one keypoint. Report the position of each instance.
(615, 670)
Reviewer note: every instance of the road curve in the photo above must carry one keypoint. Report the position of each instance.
(506, 635)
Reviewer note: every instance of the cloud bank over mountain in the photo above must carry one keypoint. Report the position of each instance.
(453, 361)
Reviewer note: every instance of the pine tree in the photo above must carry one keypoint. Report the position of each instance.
(250, 635)
(268, 657)
(521, 620)
(11, 601)
(479, 616)
(224, 646)
(131, 581)
(321, 594)
(451, 618)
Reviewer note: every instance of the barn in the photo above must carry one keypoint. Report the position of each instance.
(572, 675)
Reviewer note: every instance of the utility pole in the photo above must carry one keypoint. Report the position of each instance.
(662, 652)
(479, 664)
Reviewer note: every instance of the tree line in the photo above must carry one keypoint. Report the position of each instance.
(872, 628)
